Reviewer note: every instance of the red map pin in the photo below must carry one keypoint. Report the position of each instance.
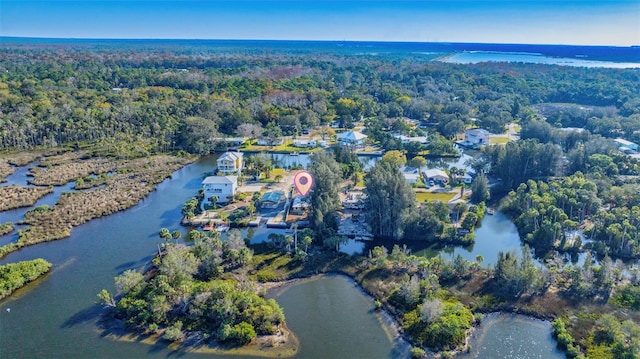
(303, 181)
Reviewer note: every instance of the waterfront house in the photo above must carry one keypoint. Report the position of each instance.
(305, 143)
(230, 162)
(436, 175)
(352, 139)
(271, 199)
(300, 205)
(222, 187)
(423, 140)
(476, 137)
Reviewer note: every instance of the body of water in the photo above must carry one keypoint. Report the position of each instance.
(474, 57)
(333, 315)
(510, 336)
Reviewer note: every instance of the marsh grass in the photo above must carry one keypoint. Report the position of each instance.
(122, 191)
(5, 170)
(17, 196)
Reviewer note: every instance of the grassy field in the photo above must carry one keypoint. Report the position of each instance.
(434, 196)
(499, 140)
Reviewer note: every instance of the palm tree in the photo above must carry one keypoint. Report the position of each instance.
(176, 235)
(288, 240)
(165, 234)
(214, 201)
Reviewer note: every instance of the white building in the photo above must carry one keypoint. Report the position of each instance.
(352, 138)
(230, 162)
(423, 140)
(436, 175)
(305, 143)
(222, 187)
(476, 137)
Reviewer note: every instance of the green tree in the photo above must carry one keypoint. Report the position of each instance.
(324, 195)
(480, 191)
(418, 162)
(396, 158)
(390, 200)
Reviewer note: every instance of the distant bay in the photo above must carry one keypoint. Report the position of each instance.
(572, 55)
(474, 57)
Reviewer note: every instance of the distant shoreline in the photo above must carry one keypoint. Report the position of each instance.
(611, 53)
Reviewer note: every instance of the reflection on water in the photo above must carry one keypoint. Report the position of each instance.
(515, 337)
(496, 233)
(334, 319)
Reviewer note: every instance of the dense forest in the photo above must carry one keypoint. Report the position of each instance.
(161, 99)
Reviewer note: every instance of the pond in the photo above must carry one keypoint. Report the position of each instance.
(496, 233)
(335, 319)
(515, 337)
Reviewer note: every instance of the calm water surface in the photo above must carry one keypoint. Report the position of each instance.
(474, 57)
(337, 321)
(508, 336)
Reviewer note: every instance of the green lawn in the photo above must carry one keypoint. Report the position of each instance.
(434, 196)
(498, 140)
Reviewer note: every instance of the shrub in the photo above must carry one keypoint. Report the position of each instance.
(239, 334)
(417, 353)
(172, 333)
(628, 297)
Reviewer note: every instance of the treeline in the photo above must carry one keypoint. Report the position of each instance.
(175, 98)
(15, 275)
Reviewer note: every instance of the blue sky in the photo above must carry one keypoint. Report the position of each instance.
(585, 22)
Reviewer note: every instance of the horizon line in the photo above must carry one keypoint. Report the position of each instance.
(306, 40)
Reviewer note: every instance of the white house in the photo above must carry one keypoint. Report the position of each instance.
(352, 138)
(305, 143)
(223, 187)
(423, 140)
(270, 141)
(467, 178)
(476, 137)
(436, 175)
(230, 162)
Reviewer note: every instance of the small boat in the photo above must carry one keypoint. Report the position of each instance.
(294, 154)
(491, 211)
(222, 227)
